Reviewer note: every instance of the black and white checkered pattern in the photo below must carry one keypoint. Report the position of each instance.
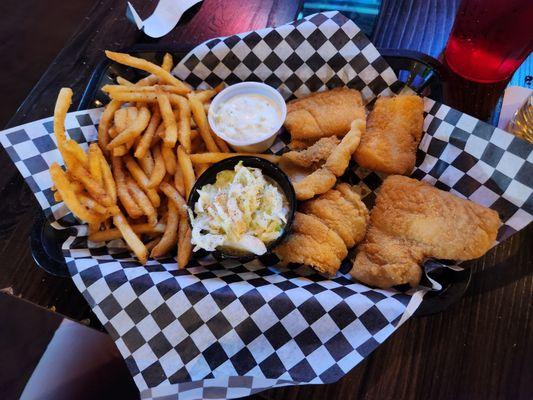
(320, 51)
(221, 329)
(33, 148)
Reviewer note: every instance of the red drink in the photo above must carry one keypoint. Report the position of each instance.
(490, 39)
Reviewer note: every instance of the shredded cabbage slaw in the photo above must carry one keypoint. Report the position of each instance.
(241, 210)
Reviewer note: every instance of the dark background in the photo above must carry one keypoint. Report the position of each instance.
(481, 347)
(32, 33)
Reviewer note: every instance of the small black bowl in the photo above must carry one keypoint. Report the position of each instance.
(270, 170)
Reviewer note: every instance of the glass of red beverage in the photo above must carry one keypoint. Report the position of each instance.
(490, 39)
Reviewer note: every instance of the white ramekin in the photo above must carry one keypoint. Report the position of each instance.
(262, 142)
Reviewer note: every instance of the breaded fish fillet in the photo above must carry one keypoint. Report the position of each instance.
(325, 177)
(413, 221)
(339, 158)
(314, 154)
(394, 130)
(317, 182)
(312, 243)
(346, 217)
(322, 114)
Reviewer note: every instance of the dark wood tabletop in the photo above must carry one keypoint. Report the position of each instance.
(480, 347)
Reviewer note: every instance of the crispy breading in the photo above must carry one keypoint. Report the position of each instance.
(339, 158)
(413, 221)
(345, 216)
(314, 154)
(312, 243)
(324, 178)
(394, 130)
(322, 114)
(317, 182)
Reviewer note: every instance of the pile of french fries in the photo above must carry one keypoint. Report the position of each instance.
(154, 140)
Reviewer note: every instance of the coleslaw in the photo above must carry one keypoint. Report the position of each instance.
(241, 211)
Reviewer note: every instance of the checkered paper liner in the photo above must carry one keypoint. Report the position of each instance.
(222, 329)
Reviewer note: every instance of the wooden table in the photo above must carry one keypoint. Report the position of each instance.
(479, 348)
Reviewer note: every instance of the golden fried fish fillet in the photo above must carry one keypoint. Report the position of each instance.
(317, 182)
(322, 114)
(314, 154)
(312, 243)
(346, 216)
(308, 184)
(394, 129)
(339, 158)
(413, 221)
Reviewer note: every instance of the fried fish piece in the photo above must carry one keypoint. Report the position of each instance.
(317, 182)
(346, 216)
(312, 243)
(394, 129)
(324, 178)
(413, 221)
(314, 154)
(322, 114)
(339, 158)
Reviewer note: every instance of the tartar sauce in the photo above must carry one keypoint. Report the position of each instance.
(247, 116)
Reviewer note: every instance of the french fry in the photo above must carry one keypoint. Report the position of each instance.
(198, 145)
(94, 228)
(142, 89)
(75, 185)
(170, 236)
(195, 135)
(184, 242)
(211, 158)
(170, 159)
(120, 119)
(120, 151)
(175, 197)
(105, 123)
(185, 164)
(147, 96)
(70, 198)
(114, 233)
(132, 113)
(206, 95)
(220, 143)
(147, 81)
(200, 168)
(178, 182)
(64, 99)
(107, 176)
(133, 131)
(131, 238)
(124, 82)
(140, 177)
(159, 170)
(142, 200)
(92, 205)
(152, 243)
(168, 62)
(147, 66)
(77, 152)
(200, 118)
(171, 128)
(184, 122)
(96, 190)
(131, 207)
(146, 139)
(147, 163)
(95, 165)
